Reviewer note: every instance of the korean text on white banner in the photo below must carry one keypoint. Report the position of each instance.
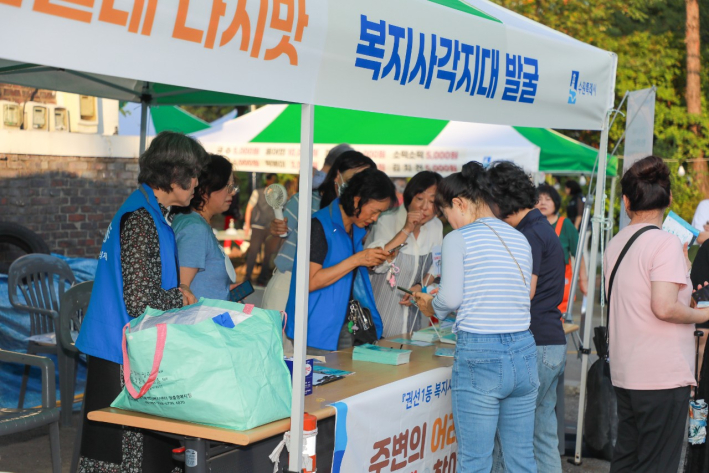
(403, 426)
(639, 133)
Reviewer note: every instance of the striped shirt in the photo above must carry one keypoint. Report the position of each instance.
(482, 282)
(284, 260)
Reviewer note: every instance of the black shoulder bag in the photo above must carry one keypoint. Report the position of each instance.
(601, 333)
(360, 322)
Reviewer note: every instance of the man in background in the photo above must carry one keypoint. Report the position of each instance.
(257, 219)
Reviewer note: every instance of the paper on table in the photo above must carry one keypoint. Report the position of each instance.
(675, 225)
(405, 341)
(325, 370)
(447, 352)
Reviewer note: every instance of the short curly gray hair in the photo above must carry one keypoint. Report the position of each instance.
(172, 158)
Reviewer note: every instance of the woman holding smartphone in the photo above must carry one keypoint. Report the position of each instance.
(414, 224)
(203, 265)
(486, 278)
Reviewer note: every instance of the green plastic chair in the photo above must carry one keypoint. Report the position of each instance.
(13, 421)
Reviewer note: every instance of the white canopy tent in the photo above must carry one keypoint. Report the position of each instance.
(449, 59)
(454, 145)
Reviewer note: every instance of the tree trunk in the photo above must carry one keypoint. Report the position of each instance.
(693, 93)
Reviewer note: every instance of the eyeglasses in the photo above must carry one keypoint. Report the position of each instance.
(232, 189)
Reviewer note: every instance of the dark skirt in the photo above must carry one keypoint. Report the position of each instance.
(116, 448)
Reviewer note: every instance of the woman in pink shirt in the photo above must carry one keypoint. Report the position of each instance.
(651, 327)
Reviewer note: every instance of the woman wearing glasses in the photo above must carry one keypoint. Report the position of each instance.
(203, 264)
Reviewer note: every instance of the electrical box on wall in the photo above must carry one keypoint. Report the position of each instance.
(59, 119)
(88, 115)
(36, 116)
(10, 115)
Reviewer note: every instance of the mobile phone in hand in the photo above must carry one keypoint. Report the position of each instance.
(241, 291)
(397, 248)
(701, 295)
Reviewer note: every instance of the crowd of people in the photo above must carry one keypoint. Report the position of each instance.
(503, 272)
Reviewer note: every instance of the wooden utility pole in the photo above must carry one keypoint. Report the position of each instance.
(694, 92)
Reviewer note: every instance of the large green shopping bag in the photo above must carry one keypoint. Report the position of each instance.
(214, 362)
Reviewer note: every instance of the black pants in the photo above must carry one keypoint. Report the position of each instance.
(261, 237)
(651, 430)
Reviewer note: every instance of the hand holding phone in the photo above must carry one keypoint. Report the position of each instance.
(241, 291)
(397, 248)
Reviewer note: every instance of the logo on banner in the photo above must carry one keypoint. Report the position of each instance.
(580, 87)
(573, 87)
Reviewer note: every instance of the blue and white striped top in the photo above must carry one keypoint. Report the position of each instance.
(285, 257)
(481, 281)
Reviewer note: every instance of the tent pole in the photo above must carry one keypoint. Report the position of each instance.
(611, 209)
(597, 225)
(295, 459)
(144, 104)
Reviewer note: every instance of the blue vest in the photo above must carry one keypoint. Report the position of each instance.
(101, 329)
(327, 307)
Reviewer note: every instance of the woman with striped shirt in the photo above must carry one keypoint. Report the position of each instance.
(486, 276)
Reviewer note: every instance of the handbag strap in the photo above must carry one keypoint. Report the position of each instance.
(620, 258)
(612, 278)
(508, 250)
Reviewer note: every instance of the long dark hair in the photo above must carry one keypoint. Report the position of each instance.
(370, 184)
(344, 162)
(214, 177)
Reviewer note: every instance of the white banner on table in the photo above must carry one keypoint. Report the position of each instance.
(475, 62)
(396, 161)
(406, 426)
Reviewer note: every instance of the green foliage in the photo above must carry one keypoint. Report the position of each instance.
(648, 37)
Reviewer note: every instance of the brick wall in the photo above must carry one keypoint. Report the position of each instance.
(68, 201)
(19, 94)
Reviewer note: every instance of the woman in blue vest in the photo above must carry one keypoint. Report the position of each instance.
(137, 268)
(337, 255)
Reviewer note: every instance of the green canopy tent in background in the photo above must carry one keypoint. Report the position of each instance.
(267, 140)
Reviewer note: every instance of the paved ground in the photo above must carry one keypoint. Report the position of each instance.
(29, 452)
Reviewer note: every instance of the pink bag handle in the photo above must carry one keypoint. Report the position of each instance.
(159, 349)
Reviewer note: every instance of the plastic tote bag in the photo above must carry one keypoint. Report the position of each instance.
(215, 362)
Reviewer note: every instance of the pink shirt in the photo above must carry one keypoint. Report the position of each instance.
(645, 352)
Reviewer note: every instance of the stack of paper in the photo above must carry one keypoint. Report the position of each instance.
(383, 355)
(432, 333)
(451, 338)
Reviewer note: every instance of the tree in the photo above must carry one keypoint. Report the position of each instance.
(693, 91)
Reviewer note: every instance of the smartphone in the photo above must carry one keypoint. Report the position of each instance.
(397, 248)
(241, 291)
(701, 295)
(404, 290)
